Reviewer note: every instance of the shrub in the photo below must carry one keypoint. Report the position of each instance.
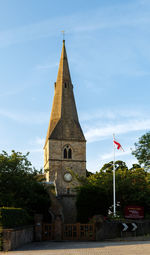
(13, 217)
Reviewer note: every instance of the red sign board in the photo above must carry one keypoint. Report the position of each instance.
(134, 212)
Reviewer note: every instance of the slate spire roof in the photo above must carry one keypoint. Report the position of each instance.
(64, 123)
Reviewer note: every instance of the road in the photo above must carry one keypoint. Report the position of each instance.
(83, 248)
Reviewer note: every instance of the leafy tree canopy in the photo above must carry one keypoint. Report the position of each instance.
(142, 151)
(20, 184)
(95, 196)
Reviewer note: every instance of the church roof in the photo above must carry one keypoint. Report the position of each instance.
(64, 123)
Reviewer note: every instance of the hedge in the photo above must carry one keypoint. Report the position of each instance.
(0, 238)
(13, 217)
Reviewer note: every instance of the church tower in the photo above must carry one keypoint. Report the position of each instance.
(65, 145)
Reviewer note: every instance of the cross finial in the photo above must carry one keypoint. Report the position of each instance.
(63, 32)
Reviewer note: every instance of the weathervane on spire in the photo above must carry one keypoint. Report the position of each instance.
(63, 32)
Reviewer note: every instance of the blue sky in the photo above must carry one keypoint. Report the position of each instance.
(108, 47)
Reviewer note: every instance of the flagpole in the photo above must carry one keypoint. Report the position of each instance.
(114, 182)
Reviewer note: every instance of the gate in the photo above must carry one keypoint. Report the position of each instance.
(72, 232)
(79, 232)
(48, 232)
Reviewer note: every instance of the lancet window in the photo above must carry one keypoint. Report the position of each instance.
(67, 152)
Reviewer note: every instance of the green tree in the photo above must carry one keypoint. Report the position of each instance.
(142, 150)
(91, 200)
(20, 185)
(95, 196)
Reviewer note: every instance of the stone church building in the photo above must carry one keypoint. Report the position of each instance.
(65, 145)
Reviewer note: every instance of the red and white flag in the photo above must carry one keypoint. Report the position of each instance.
(118, 145)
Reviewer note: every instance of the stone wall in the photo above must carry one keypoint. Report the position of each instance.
(69, 208)
(110, 230)
(13, 238)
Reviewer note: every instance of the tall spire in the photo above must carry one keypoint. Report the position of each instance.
(64, 123)
(63, 71)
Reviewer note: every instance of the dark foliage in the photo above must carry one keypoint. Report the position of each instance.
(13, 217)
(20, 185)
(95, 195)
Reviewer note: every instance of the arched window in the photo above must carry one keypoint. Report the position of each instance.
(67, 152)
(65, 85)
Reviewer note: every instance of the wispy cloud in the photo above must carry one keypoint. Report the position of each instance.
(39, 141)
(35, 147)
(73, 23)
(110, 155)
(115, 24)
(108, 114)
(130, 162)
(36, 150)
(25, 117)
(96, 134)
(10, 91)
(36, 144)
(95, 164)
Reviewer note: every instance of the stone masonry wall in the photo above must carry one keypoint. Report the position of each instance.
(58, 165)
(69, 208)
(13, 238)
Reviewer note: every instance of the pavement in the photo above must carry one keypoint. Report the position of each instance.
(83, 248)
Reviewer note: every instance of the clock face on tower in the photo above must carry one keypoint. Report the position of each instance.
(67, 177)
